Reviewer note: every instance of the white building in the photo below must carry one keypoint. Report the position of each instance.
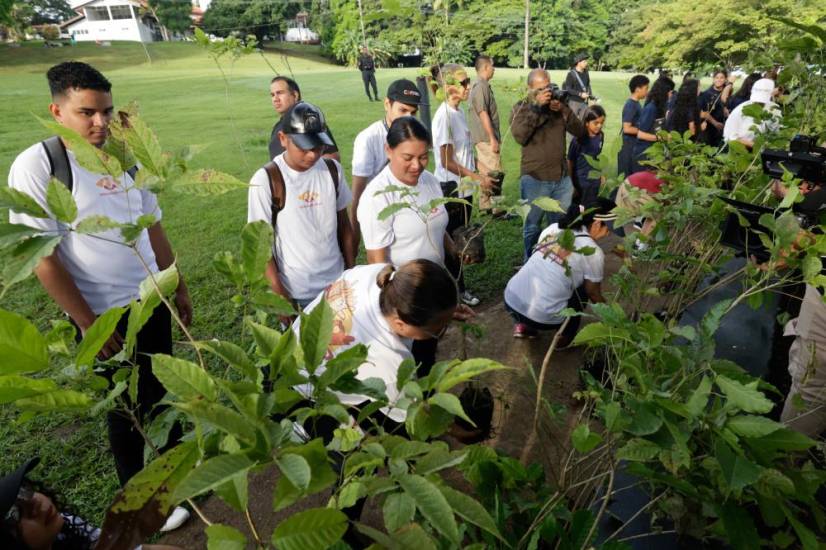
(107, 20)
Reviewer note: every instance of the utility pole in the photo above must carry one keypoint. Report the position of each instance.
(361, 19)
(527, 25)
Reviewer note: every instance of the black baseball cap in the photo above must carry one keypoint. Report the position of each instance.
(10, 485)
(306, 126)
(581, 57)
(404, 91)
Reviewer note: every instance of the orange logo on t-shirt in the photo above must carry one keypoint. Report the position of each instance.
(107, 183)
(309, 198)
(339, 296)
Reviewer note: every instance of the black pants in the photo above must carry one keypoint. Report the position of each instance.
(625, 158)
(458, 214)
(124, 439)
(575, 303)
(369, 79)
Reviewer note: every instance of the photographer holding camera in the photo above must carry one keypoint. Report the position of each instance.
(538, 124)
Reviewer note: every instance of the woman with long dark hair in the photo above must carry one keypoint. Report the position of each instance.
(652, 118)
(744, 93)
(684, 116)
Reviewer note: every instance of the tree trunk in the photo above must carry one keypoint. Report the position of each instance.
(527, 26)
(361, 19)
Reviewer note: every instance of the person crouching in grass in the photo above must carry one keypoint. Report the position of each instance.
(554, 278)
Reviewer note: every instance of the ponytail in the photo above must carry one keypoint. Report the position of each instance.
(417, 292)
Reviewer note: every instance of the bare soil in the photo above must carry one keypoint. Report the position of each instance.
(514, 391)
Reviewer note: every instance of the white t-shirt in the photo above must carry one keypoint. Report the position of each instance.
(449, 126)
(107, 274)
(369, 156)
(357, 319)
(542, 288)
(404, 233)
(306, 243)
(740, 126)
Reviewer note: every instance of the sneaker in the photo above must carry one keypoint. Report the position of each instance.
(177, 518)
(469, 298)
(521, 330)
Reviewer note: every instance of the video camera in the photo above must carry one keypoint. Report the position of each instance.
(806, 161)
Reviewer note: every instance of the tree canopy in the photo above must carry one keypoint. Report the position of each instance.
(172, 14)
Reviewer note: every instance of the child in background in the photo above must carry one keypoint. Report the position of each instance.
(630, 119)
(578, 166)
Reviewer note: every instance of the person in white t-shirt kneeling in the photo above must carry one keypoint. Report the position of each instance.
(453, 150)
(417, 231)
(554, 278)
(403, 99)
(88, 275)
(313, 238)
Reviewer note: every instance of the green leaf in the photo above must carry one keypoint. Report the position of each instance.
(807, 538)
(392, 209)
(143, 144)
(88, 156)
(314, 529)
(184, 379)
(784, 439)
(432, 504)
(224, 537)
(233, 355)
(266, 338)
(315, 333)
(752, 426)
(439, 459)
(345, 362)
(470, 510)
(91, 225)
(207, 183)
(595, 334)
(398, 510)
(739, 527)
(464, 371)
(738, 471)
(256, 248)
(16, 387)
(22, 347)
(21, 260)
(60, 202)
(814, 30)
(21, 202)
(583, 439)
(55, 401)
(696, 404)
(222, 417)
(451, 404)
(97, 335)
(12, 233)
(638, 450)
(548, 204)
(322, 476)
(296, 469)
(212, 473)
(644, 420)
(235, 492)
(746, 397)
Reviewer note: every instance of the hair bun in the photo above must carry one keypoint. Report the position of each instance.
(387, 274)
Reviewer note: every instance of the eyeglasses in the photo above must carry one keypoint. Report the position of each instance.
(439, 335)
(465, 83)
(15, 513)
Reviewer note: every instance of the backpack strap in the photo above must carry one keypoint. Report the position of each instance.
(278, 191)
(333, 168)
(59, 166)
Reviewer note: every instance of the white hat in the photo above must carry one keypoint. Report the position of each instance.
(762, 90)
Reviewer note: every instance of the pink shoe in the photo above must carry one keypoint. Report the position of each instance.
(521, 330)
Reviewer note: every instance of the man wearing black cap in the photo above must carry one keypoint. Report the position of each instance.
(284, 93)
(403, 99)
(578, 83)
(305, 197)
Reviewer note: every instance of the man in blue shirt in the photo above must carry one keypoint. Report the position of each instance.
(630, 123)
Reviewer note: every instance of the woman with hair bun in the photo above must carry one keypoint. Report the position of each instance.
(554, 278)
(387, 309)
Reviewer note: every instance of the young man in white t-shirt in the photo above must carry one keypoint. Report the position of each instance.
(741, 127)
(313, 237)
(90, 274)
(403, 99)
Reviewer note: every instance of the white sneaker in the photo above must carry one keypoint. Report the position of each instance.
(177, 518)
(469, 298)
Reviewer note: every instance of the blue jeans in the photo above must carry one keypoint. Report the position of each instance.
(530, 189)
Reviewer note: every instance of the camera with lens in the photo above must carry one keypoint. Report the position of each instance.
(806, 161)
(557, 93)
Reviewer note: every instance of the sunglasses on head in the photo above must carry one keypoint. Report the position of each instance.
(465, 83)
(15, 513)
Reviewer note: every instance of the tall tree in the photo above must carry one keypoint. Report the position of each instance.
(258, 17)
(173, 15)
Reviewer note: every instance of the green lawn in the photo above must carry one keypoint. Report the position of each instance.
(182, 96)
